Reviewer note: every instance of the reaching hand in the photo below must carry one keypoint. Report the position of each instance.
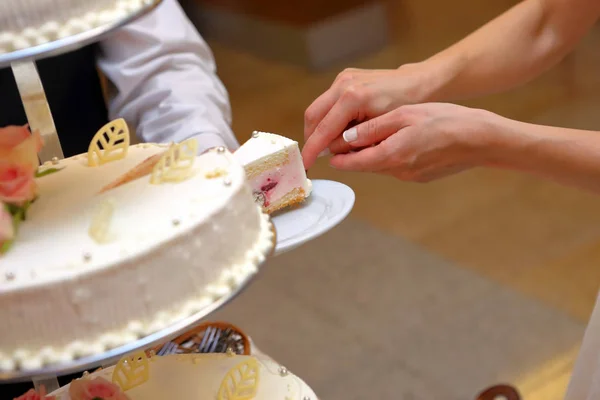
(356, 96)
(417, 142)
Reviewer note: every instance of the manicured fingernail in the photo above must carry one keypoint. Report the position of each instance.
(350, 135)
(324, 153)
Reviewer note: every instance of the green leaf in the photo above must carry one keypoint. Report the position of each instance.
(17, 219)
(47, 171)
(12, 208)
(6, 246)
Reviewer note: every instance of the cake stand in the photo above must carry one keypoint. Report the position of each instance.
(40, 118)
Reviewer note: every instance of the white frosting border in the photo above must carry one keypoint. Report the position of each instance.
(231, 279)
(55, 30)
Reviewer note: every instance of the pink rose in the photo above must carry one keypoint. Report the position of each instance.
(17, 183)
(7, 230)
(33, 395)
(18, 146)
(97, 388)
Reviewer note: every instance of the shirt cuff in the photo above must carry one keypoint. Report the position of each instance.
(209, 140)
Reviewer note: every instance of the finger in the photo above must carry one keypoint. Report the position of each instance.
(339, 145)
(375, 130)
(369, 133)
(344, 111)
(319, 108)
(371, 159)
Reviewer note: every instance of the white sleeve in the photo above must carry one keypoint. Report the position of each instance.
(163, 81)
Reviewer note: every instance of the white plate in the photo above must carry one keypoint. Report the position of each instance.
(327, 206)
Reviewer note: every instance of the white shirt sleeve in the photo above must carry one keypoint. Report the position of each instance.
(163, 81)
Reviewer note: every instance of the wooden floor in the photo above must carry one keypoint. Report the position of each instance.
(530, 235)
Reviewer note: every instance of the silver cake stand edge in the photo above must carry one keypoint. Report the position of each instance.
(112, 356)
(73, 42)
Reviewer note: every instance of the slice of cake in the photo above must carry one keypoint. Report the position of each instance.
(275, 170)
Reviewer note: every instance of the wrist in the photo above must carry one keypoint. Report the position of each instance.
(440, 75)
(504, 143)
(421, 87)
(208, 141)
(487, 137)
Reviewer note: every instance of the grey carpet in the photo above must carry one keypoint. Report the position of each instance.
(360, 314)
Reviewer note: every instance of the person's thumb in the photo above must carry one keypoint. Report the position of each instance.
(372, 131)
(368, 133)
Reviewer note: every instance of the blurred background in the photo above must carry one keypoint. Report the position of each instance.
(426, 291)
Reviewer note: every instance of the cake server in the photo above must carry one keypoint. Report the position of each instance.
(37, 109)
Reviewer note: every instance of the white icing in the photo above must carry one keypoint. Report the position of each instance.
(71, 296)
(27, 23)
(263, 144)
(199, 376)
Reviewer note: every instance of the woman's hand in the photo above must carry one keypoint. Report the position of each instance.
(507, 52)
(356, 96)
(419, 142)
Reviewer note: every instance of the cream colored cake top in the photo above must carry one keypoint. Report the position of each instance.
(262, 144)
(206, 376)
(53, 244)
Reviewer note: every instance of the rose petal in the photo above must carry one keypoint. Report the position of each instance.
(89, 389)
(17, 183)
(12, 136)
(26, 152)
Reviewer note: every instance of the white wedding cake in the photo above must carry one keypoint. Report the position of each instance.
(27, 23)
(122, 242)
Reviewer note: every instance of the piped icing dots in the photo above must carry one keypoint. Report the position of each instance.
(19, 39)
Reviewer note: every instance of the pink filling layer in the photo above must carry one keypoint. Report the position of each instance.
(276, 183)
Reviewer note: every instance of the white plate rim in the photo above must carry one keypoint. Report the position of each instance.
(326, 226)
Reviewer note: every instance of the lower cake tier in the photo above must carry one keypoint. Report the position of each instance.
(191, 376)
(167, 251)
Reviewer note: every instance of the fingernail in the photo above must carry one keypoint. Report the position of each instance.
(324, 153)
(350, 135)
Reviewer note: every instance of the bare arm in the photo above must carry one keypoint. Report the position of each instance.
(511, 49)
(568, 156)
(508, 51)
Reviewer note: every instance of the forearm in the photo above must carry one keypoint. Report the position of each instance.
(568, 156)
(174, 105)
(510, 50)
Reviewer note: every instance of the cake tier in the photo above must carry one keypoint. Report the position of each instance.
(171, 249)
(27, 23)
(212, 376)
